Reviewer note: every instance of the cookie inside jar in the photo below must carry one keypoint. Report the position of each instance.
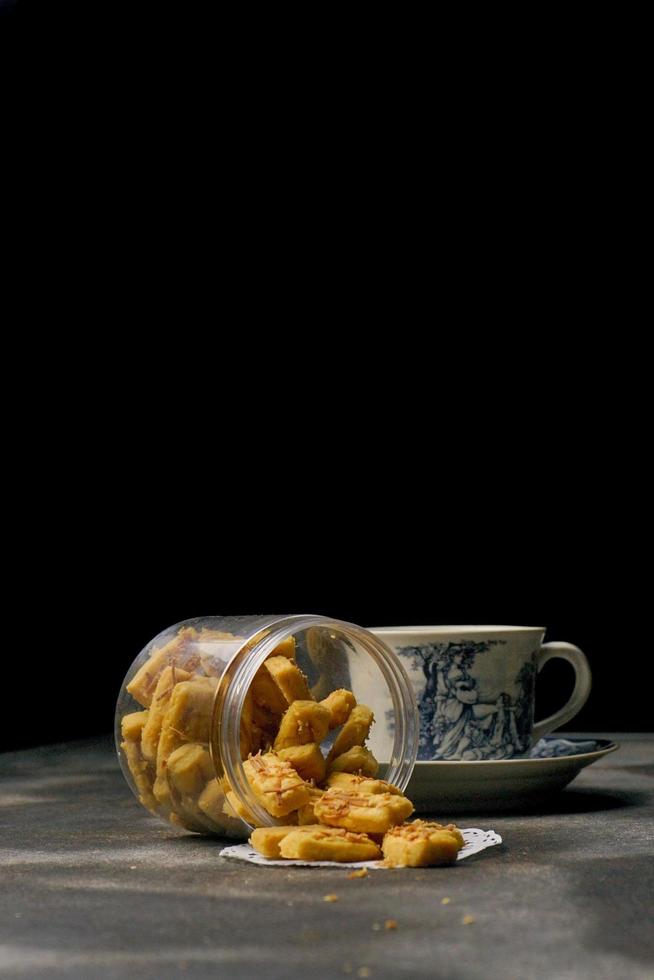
(223, 729)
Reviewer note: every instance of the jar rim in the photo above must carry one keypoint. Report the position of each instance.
(238, 677)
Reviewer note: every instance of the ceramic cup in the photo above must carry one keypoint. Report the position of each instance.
(475, 687)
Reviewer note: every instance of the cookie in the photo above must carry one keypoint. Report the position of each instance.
(339, 704)
(358, 759)
(354, 732)
(276, 784)
(362, 812)
(305, 721)
(327, 844)
(307, 760)
(421, 844)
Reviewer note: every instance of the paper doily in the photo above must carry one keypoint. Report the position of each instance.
(475, 841)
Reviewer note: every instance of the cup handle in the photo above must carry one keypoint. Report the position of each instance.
(578, 698)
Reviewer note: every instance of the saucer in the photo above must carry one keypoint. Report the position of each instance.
(504, 784)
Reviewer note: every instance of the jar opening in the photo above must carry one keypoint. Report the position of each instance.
(333, 655)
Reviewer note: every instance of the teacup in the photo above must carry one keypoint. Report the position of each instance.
(475, 687)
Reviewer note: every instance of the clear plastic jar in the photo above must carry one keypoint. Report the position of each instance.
(180, 729)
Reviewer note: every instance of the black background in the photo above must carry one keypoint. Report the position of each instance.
(103, 585)
(360, 339)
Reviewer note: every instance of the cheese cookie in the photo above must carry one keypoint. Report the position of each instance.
(421, 844)
(373, 813)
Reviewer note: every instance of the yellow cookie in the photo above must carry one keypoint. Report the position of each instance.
(285, 649)
(169, 741)
(190, 709)
(177, 651)
(357, 759)
(267, 693)
(307, 759)
(354, 732)
(266, 840)
(327, 844)
(208, 635)
(190, 768)
(234, 808)
(373, 813)
(421, 844)
(187, 719)
(289, 679)
(305, 721)
(339, 704)
(250, 734)
(142, 773)
(163, 691)
(132, 725)
(186, 813)
(276, 784)
(307, 813)
(362, 784)
(279, 682)
(212, 805)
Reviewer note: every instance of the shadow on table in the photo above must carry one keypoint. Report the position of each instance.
(568, 801)
(639, 769)
(587, 801)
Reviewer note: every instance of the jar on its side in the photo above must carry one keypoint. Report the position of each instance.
(185, 723)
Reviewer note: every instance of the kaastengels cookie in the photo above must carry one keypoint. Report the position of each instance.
(327, 844)
(190, 768)
(168, 678)
(373, 813)
(305, 721)
(142, 771)
(339, 704)
(362, 784)
(357, 759)
(307, 813)
(289, 679)
(187, 719)
(421, 844)
(354, 732)
(212, 802)
(178, 651)
(266, 840)
(276, 784)
(307, 759)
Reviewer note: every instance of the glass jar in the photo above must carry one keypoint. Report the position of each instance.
(186, 720)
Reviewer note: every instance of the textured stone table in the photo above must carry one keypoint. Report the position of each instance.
(93, 887)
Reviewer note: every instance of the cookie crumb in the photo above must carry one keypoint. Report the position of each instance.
(364, 971)
(390, 924)
(330, 898)
(359, 873)
(467, 920)
(445, 901)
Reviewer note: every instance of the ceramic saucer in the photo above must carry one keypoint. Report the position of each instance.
(503, 784)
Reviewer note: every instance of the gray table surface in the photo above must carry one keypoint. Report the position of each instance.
(94, 887)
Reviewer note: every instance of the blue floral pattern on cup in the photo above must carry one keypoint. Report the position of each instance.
(456, 721)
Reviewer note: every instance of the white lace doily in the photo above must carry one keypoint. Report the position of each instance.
(475, 840)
